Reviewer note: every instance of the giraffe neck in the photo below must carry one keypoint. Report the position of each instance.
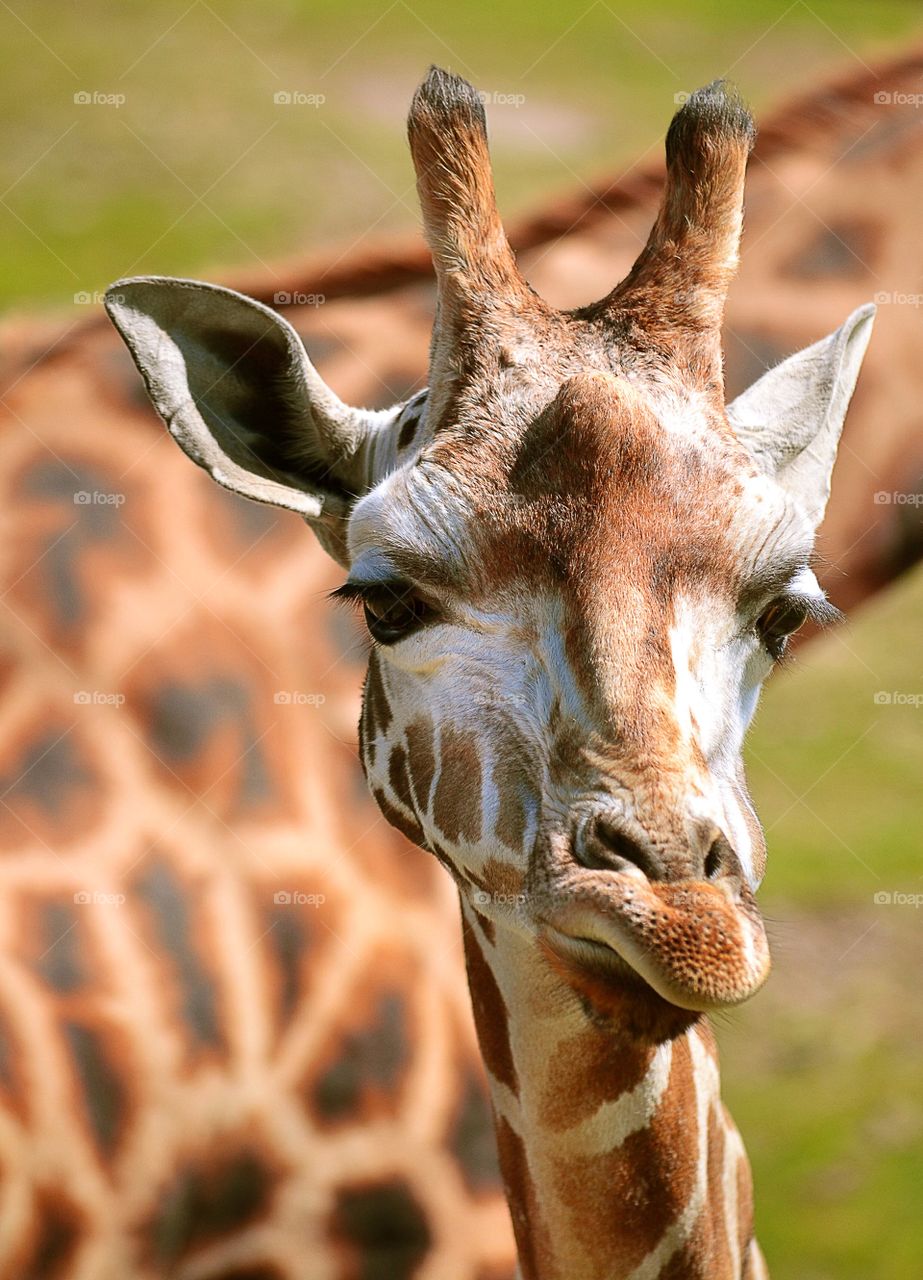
(618, 1156)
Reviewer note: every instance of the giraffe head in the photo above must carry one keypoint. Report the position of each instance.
(576, 563)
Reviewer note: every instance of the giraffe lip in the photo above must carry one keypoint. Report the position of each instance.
(582, 950)
(700, 945)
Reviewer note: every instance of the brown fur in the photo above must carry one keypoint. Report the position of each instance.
(448, 141)
(620, 1204)
(676, 290)
(560, 478)
(490, 1014)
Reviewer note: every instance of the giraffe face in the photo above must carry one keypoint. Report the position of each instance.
(571, 621)
(576, 564)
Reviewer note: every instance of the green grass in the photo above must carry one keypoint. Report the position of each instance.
(199, 169)
(837, 774)
(822, 1069)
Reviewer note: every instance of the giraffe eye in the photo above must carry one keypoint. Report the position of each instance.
(393, 610)
(783, 617)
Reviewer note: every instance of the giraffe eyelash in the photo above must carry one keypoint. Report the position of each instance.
(393, 610)
(817, 609)
(350, 594)
(796, 609)
(361, 593)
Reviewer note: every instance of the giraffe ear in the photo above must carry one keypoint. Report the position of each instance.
(791, 418)
(232, 381)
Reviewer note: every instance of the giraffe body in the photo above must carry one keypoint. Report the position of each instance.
(577, 565)
(217, 1058)
(91, 605)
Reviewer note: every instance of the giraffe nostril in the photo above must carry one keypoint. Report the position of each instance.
(720, 858)
(712, 865)
(606, 845)
(606, 841)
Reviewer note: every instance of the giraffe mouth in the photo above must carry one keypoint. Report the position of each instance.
(699, 944)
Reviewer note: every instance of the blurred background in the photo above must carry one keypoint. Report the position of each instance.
(200, 167)
(264, 146)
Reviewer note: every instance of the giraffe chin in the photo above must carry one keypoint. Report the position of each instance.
(699, 945)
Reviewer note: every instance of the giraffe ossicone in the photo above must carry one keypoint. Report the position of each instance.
(577, 566)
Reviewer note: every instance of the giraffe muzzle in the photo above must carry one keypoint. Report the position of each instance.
(699, 943)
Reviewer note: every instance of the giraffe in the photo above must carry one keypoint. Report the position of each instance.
(577, 566)
(833, 184)
(833, 188)
(217, 1060)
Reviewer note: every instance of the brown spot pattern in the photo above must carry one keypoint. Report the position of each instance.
(471, 1135)
(531, 1236)
(620, 1204)
(206, 1200)
(713, 1215)
(58, 1228)
(512, 786)
(586, 1070)
(399, 778)
(403, 822)
(377, 707)
(421, 758)
(490, 1014)
(379, 1231)
(744, 1203)
(457, 802)
(360, 1078)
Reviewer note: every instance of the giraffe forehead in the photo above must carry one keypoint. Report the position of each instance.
(598, 495)
(630, 506)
